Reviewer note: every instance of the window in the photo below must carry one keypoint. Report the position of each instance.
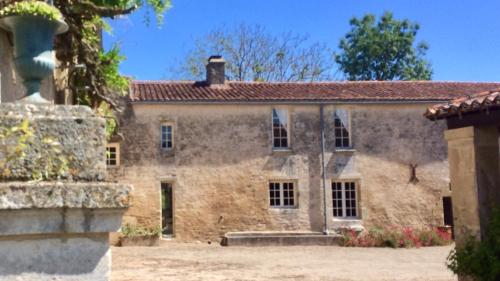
(113, 154)
(167, 140)
(280, 128)
(344, 199)
(341, 123)
(282, 194)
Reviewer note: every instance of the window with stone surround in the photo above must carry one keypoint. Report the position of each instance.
(344, 199)
(342, 128)
(167, 136)
(281, 131)
(113, 154)
(282, 194)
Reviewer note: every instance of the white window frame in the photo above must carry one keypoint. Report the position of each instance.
(343, 199)
(116, 146)
(282, 194)
(288, 131)
(349, 130)
(171, 125)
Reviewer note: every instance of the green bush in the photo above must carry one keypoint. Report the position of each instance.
(136, 231)
(32, 8)
(479, 259)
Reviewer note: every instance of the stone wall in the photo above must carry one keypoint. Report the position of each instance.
(56, 210)
(223, 160)
(11, 87)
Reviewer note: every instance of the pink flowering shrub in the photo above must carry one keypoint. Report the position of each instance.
(395, 237)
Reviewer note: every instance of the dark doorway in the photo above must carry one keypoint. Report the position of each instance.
(448, 213)
(167, 210)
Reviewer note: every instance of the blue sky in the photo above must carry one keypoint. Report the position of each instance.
(464, 36)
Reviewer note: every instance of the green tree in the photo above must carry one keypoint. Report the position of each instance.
(383, 50)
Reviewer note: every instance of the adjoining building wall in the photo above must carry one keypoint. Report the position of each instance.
(11, 87)
(222, 162)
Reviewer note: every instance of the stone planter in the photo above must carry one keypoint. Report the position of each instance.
(145, 241)
(33, 50)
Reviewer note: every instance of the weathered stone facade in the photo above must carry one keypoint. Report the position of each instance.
(222, 161)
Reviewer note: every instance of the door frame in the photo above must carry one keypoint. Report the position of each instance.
(172, 185)
(449, 210)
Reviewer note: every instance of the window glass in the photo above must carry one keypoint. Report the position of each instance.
(344, 199)
(112, 155)
(280, 128)
(341, 124)
(274, 194)
(166, 136)
(282, 194)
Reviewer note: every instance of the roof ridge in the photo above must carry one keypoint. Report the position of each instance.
(170, 91)
(323, 82)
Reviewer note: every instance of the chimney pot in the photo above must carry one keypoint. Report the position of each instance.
(216, 70)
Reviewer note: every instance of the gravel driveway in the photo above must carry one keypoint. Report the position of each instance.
(180, 261)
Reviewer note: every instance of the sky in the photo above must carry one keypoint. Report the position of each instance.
(464, 36)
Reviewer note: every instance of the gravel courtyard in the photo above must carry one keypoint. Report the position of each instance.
(179, 261)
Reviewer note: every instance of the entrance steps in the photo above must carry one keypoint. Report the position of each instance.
(273, 238)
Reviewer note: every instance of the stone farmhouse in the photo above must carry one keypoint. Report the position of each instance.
(211, 157)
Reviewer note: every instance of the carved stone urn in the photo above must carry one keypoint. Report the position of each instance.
(33, 50)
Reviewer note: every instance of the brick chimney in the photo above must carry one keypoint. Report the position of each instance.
(216, 74)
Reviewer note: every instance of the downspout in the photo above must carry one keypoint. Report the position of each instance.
(323, 169)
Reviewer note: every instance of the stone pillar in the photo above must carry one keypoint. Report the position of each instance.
(56, 210)
(473, 154)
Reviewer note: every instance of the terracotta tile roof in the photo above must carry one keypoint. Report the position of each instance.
(188, 91)
(489, 100)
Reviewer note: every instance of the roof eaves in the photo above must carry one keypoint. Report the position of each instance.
(311, 101)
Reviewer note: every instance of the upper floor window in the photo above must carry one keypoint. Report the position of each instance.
(282, 194)
(167, 136)
(281, 136)
(344, 199)
(342, 129)
(113, 154)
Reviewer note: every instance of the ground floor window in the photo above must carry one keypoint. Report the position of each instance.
(113, 154)
(282, 194)
(344, 199)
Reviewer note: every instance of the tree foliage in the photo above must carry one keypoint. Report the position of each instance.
(87, 72)
(253, 54)
(91, 72)
(383, 50)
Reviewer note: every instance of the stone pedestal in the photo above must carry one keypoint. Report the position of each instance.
(474, 171)
(56, 211)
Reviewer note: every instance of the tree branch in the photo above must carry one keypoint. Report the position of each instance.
(104, 11)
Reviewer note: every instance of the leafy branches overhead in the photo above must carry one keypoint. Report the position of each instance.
(254, 54)
(92, 73)
(87, 72)
(383, 50)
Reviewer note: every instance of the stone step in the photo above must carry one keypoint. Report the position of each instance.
(279, 239)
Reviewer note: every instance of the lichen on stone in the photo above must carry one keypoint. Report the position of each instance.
(47, 142)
